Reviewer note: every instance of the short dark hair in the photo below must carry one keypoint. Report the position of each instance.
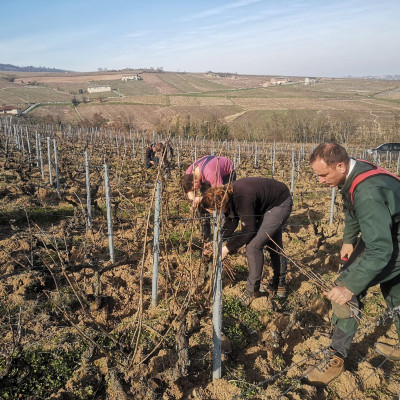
(187, 182)
(330, 152)
(159, 147)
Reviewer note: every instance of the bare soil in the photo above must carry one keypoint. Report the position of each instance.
(60, 294)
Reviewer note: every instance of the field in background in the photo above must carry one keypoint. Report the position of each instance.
(250, 106)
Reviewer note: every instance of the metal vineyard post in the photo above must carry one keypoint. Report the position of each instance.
(40, 156)
(109, 214)
(156, 244)
(217, 298)
(49, 160)
(332, 205)
(88, 196)
(56, 167)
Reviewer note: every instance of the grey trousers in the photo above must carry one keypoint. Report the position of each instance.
(272, 223)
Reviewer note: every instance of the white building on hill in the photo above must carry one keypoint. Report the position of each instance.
(279, 80)
(99, 89)
(132, 78)
(309, 81)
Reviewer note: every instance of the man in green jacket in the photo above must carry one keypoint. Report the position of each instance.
(372, 210)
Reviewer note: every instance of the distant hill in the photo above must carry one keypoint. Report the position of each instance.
(15, 68)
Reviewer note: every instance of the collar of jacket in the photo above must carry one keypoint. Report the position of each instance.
(359, 168)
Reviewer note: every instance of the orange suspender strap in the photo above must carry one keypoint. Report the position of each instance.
(372, 172)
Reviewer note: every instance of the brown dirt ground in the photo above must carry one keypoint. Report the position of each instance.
(179, 329)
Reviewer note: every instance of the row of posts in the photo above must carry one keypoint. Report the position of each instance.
(39, 162)
(217, 242)
(19, 140)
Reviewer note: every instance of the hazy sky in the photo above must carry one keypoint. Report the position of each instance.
(260, 37)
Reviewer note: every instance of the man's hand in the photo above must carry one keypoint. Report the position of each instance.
(346, 250)
(340, 294)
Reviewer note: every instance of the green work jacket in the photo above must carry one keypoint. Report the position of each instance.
(376, 215)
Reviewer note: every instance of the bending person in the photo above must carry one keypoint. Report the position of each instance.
(206, 172)
(262, 205)
(160, 158)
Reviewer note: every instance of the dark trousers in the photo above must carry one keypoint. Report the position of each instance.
(271, 227)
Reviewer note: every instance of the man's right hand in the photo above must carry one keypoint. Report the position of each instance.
(346, 250)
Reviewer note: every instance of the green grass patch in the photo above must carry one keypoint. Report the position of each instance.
(239, 322)
(178, 237)
(237, 376)
(38, 373)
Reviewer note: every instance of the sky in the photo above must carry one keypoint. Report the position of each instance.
(331, 38)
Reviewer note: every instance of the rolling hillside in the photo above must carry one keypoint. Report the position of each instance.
(249, 105)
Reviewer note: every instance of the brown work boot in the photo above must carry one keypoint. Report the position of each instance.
(392, 352)
(281, 292)
(247, 297)
(324, 372)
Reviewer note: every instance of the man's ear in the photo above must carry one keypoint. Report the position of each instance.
(341, 167)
